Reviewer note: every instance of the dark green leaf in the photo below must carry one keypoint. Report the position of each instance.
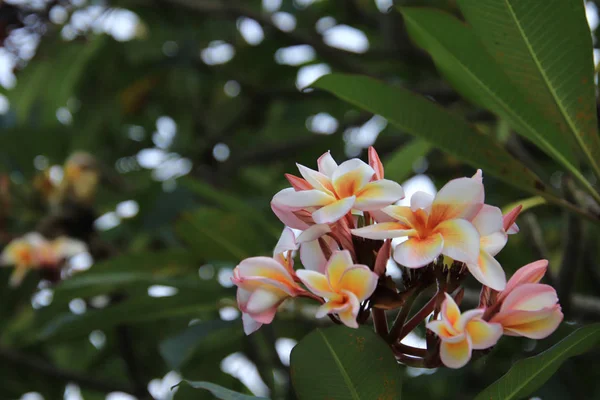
(399, 165)
(178, 349)
(425, 119)
(529, 374)
(460, 56)
(214, 234)
(546, 49)
(230, 202)
(343, 363)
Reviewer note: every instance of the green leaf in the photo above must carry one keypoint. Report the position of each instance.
(51, 77)
(229, 202)
(545, 47)
(139, 309)
(527, 204)
(461, 57)
(220, 392)
(214, 234)
(178, 349)
(423, 118)
(531, 373)
(343, 363)
(399, 165)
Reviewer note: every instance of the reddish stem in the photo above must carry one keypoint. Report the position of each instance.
(418, 317)
(410, 350)
(411, 295)
(380, 322)
(415, 362)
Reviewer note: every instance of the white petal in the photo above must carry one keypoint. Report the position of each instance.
(421, 200)
(313, 233)
(327, 164)
(334, 211)
(304, 198)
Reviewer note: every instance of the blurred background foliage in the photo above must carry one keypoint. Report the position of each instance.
(193, 110)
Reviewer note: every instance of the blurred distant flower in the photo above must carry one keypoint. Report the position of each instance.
(33, 251)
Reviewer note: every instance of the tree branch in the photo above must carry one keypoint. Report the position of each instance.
(572, 256)
(127, 353)
(45, 368)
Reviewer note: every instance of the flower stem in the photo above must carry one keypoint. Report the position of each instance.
(418, 317)
(412, 295)
(380, 322)
(416, 362)
(410, 350)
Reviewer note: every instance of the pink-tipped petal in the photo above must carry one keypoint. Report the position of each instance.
(401, 214)
(263, 300)
(421, 200)
(316, 179)
(417, 253)
(488, 220)
(315, 282)
(265, 317)
(378, 194)
(494, 242)
(530, 273)
(313, 233)
(383, 230)
(450, 312)
(467, 317)
(459, 198)
(483, 334)
(532, 324)
(339, 262)
(348, 318)
(250, 324)
(304, 198)
(348, 315)
(334, 211)
(312, 256)
(510, 218)
(456, 355)
(530, 297)
(264, 267)
(351, 176)
(478, 176)
(380, 216)
(445, 332)
(298, 183)
(327, 164)
(360, 281)
(242, 297)
(514, 228)
(287, 216)
(488, 271)
(461, 240)
(287, 242)
(333, 306)
(375, 163)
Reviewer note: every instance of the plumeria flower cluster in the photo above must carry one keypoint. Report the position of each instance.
(341, 220)
(33, 251)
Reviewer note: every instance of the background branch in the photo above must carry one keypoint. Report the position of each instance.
(45, 368)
